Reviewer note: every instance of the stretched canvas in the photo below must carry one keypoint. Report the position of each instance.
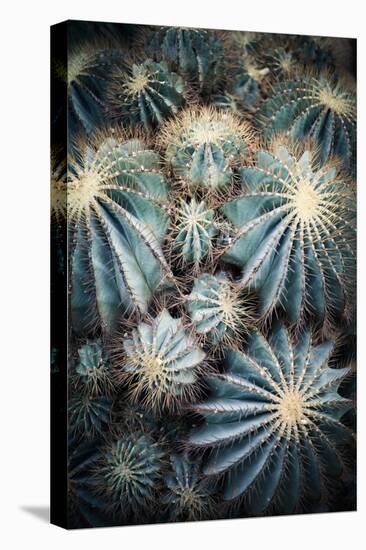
(203, 346)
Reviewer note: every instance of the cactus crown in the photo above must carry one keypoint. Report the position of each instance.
(161, 362)
(272, 419)
(304, 212)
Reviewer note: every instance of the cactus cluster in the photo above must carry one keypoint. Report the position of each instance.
(207, 198)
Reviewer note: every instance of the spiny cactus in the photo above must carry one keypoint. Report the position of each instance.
(89, 415)
(145, 94)
(202, 146)
(218, 310)
(273, 421)
(194, 228)
(93, 369)
(161, 363)
(194, 53)
(294, 235)
(86, 74)
(128, 473)
(318, 107)
(187, 496)
(117, 222)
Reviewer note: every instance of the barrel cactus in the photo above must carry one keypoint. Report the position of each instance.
(89, 415)
(273, 422)
(117, 220)
(194, 53)
(317, 107)
(145, 94)
(128, 473)
(187, 496)
(295, 235)
(86, 74)
(161, 363)
(93, 369)
(218, 309)
(203, 145)
(194, 228)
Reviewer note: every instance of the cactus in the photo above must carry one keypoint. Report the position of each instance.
(273, 422)
(202, 146)
(161, 363)
(217, 309)
(193, 53)
(145, 94)
(117, 223)
(93, 369)
(86, 75)
(321, 108)
(88, 415)
(128, 473)
(84, 508)
(193, 232)
(187, 496)
(294, 235)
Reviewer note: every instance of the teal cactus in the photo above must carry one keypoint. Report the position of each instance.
(194, 53)
(86, 75)
(145, 94)
(317, 107)
(218, 309)
(187, 496)
(273, 422)
(295, 235)
(117, 220)
(128, 473)
(203, 145)
(89, 415)
(93, 369)
(161, 363)
(194, 228)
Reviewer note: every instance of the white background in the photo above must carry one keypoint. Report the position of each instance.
(24, 218)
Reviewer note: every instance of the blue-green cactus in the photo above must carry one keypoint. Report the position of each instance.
(217, 309)
(88, 68)
(202, 146)
(145, 94)
(128, 473)
(194, 228)
(194, 53)
(93, 369)
(162, 362)
(320, 108)
(117, 221)
(295, 235)
(273, 422)
(89, 415)
(187, 496)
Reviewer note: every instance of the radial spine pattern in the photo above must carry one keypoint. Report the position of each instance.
(295, 237)
(272, 421)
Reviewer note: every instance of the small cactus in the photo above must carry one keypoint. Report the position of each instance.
(145, 94)
(295, 235)
(93, 369)
(161, 363)
(128, 473)
(202, 147)
(317, 107)
(194, 229)
(117, 221)
(273, 422)
(89, 415)
(194, 53)
(187, 496)
(218, 310)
